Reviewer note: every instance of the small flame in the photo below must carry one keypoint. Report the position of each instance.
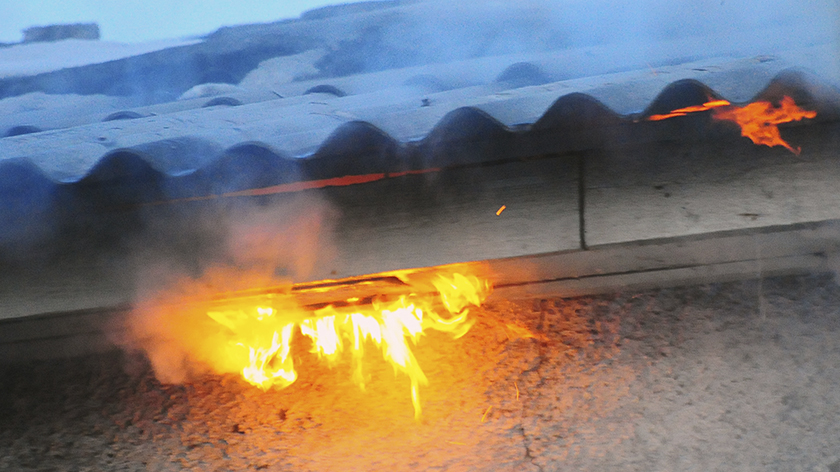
(758, 120)
(692, 109)
(261, 336)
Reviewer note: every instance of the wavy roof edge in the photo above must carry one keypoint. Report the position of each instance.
(465, 136)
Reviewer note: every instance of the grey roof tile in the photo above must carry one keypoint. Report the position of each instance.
(377, 91)
(182, 139)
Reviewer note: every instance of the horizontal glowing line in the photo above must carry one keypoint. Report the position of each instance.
(307, 185)
(300, 186)
(692, 109)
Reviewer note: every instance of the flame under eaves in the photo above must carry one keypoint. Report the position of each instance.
(758, 120)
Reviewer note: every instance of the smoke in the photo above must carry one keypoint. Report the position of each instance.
(639, 33)
(258, 247)
(289, 240)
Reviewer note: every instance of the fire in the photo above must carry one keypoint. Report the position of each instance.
(260, 331)
(692, 109)
(758, 120)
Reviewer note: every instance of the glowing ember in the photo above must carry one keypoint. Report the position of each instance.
(260, 335)
(500, 210)
(758, 120)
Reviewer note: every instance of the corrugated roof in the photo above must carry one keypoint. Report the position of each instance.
(387, 88)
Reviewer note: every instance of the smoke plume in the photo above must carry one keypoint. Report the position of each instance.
(261, 247)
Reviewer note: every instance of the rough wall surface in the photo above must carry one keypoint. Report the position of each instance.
(738, 376)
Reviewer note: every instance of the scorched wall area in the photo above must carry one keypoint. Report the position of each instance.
(732, 376)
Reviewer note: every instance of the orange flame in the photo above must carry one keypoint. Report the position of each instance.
(692, 109)
(260, 336)
(758, 120)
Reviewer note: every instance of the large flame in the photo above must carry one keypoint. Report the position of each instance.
(260, 331)
(758, 120)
